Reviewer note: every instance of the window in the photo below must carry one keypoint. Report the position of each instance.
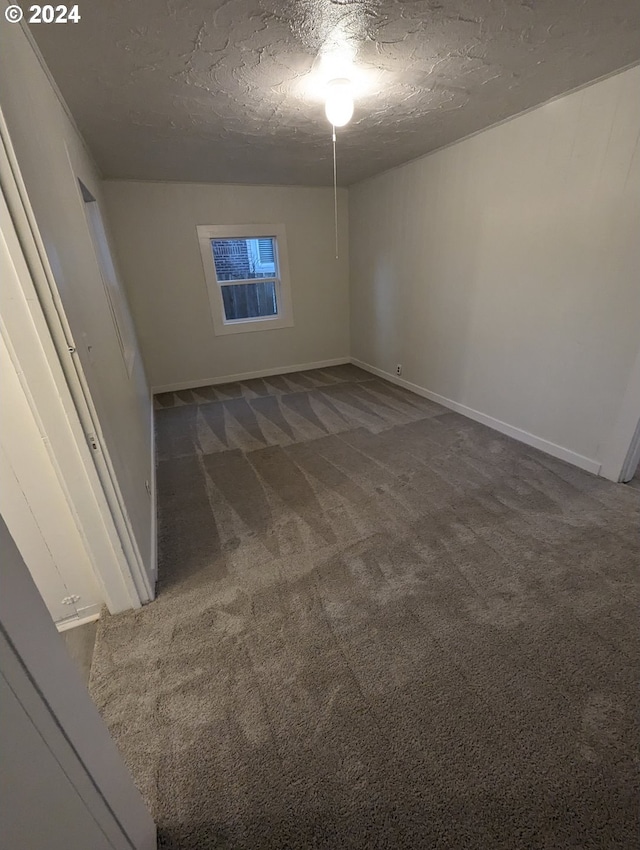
(246, 271)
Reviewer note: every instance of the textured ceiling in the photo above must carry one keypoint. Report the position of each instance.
(230, 90)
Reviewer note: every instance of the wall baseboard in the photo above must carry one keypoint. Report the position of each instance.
(79, 621)
(245, 376)
(519, 434)
(586, 463)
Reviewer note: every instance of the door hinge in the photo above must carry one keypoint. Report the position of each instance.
(71, 349)
(93, 442)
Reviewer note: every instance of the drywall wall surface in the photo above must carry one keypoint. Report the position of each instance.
(63, 782)
(51, 156)
(154, 227)
(41, 808)
(502, 272)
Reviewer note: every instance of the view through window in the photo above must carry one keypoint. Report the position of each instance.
(247, 272)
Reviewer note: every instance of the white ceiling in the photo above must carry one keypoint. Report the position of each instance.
(229, 90)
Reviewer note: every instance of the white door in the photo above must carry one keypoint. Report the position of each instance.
(40, 351)
(33, 548)
(37, 510)
(63, 783)
(56, 816)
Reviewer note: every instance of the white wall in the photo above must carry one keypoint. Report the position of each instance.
(63, 783)
(502, 272)
(49, 151)
(50, 814)
(154, 227)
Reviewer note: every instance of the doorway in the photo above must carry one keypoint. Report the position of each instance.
(631, 468)
(61, 513)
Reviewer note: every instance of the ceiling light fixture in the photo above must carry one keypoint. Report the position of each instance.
(338, 107)
(339, 102)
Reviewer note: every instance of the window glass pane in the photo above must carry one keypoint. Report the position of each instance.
(250, 300)
(265, 251)
(244, 259)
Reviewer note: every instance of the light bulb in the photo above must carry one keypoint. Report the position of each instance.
(339, 102)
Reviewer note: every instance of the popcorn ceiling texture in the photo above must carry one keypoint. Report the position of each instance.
(222, 91)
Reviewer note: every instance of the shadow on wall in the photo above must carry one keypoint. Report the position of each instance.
(432, 295)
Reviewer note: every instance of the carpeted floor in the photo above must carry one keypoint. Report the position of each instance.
(378, 625)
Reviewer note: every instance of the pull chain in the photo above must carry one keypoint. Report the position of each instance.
(335, 189)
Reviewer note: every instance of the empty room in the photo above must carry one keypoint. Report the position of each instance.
(320, 425)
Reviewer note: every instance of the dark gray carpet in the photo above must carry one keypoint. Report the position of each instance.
(379, 625)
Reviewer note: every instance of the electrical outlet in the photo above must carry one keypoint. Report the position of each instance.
(70, 600)
(399, 369)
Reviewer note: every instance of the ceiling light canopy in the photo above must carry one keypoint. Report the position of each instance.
(339, 102)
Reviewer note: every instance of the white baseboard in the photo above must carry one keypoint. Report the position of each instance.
(589, 464)
(245, 376)
(550, 448)
(77, 621)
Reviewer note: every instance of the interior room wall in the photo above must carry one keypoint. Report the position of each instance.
(51, 155)
(154, 227)
(502, 272)
(63, 782)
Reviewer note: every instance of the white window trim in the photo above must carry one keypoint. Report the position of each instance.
(221, 326)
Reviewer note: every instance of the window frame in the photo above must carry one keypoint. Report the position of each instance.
(221, 325)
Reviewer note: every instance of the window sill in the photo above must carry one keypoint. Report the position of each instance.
(251, 325)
